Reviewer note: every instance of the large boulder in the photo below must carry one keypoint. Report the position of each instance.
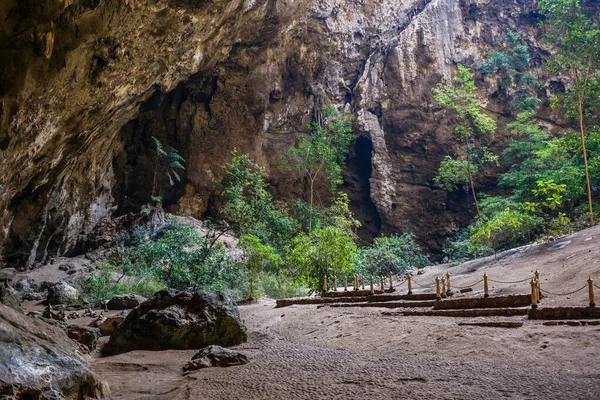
(38, 360)
(62, 293)
(125, 302)
(179, 320)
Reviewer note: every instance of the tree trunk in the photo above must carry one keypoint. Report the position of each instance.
(585, 162)
(310, 210)
(473, 188)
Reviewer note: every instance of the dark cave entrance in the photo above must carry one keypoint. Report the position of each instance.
(362, 168)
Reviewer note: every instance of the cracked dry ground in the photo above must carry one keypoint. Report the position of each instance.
(305, 352)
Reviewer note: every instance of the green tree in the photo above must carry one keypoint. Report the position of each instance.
(319, 155)
(328, 250)
(167, 162)
(257, 259)
(576, 37)
(249, 207)
(391, 254)
(511, 70)
(460, 96)
(550, 195)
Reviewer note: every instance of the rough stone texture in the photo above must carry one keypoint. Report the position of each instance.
(125, 302)
(179, 320)
(84, 84)
(62, 293)
(215, 356)
(109, 325)
(9, 297)
(473, 313)
(484, 302)
(39, 361)
(85, 335)
(565, 313)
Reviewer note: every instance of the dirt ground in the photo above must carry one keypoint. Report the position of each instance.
(310, 352)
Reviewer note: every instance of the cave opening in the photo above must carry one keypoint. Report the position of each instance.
(363, 169)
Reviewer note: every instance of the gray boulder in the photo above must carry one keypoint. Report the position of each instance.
(125, 302)
(179, 320)
(215, 356)
(62, 293)
(38, 360)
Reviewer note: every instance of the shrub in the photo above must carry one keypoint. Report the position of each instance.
(390, 254)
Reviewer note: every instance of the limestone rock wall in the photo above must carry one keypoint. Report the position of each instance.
(84, 84)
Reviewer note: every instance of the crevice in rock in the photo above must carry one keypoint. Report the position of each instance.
(359, 185)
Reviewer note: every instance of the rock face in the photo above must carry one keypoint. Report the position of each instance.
(39, 361)
(62, 293)
(215, 356)
(179, 320)
(85, 84)
(9, 296)
(125, 302)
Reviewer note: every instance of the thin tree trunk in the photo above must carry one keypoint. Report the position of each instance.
(585, 162)
(473, 188)
(310, 210)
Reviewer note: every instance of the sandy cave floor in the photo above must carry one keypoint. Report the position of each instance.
(311, 352)
(302, 352)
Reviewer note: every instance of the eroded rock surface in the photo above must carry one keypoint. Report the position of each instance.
(85, 84)
(215, 356)
(179, 320)
(62, 293)
(40, 361)
(125, 302)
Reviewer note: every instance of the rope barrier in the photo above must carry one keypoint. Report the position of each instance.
(468, 286)
(509, 282)
(418, 284)
(565, 294)
(597, 287)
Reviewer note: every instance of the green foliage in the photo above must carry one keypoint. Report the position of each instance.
(319, 155)
(279, 286)
(550, 195)
(167, 162)
(576, 35)
(328, 250)
(258, 258)
(390, 254)
(109, 281)
(250, 208)
(511, 69)
(472, 121)
(461, 97)
(453, 172)
(179, 257)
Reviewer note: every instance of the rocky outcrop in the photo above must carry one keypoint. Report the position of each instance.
(9, 296)
(125, 302)
(215, 356)
(179, 320)
(85, 84)
(39, 361)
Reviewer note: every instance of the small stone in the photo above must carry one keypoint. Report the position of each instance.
(215, 356)
(551, 323)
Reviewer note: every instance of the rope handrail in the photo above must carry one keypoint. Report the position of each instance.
(468, 286)
(424, 286)
(509, 282)
(564, 294)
